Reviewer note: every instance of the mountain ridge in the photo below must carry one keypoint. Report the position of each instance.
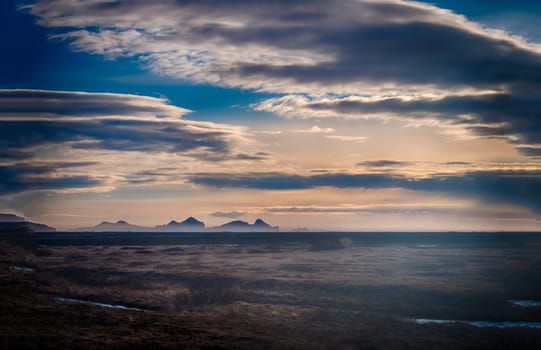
(190, 224)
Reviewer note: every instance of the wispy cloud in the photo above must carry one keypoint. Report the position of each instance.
(358, 139)
(374, 209)
(383, 163)
(491, 115)
(228, 214)
(50, 105)
(316, 130)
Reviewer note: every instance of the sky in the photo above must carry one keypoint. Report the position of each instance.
(357, 115)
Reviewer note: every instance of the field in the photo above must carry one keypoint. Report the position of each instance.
(268, 290)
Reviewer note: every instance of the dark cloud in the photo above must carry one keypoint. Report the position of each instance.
(381, 41)
(118, 135)
(27, 177)
(228, 214)
(521, 188)
(490, 115)
(7, 154)
(50, 104)
(383, 163)
(157, 172)
(257, 156)
(279, 181)
(458, 163)
(530, 151)
(449, 56)
(33, 118)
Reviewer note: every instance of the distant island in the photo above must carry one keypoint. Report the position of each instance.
(242, 226)
(10, 222)
(190, 224)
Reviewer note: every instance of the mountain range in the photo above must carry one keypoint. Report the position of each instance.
(243, 226)
(191, 224)
(14, 222)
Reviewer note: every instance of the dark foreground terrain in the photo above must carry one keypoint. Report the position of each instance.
(268, 291)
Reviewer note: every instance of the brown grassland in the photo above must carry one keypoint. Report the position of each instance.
(324, 293)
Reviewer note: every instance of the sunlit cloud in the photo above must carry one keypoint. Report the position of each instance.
(316, 130)
(488, 116)
(358, 139)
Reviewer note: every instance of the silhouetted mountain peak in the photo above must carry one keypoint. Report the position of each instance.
(260, 222)
(236, 223)
(192, 222)
(11, 218)
(243, 226)
(118, 226)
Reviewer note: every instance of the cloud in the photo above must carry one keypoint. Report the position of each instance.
(349, 59)
(316, 130)
(229, 214)
(358, 139)
(404, 210)
(263, 44)
(532, 151)
(28, 177)
(49, 105)
(383, 163)
(37, 126)
(507, 115)
(516, 187)
(117, 122)
(255, 157)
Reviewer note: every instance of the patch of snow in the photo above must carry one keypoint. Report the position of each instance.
(22, 269)
(525, 303)
(503, 324)
(111, 306)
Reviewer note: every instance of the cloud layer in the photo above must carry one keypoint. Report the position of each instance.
(119, 122)
(36, 126)
(348, 59)
(517, 187)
